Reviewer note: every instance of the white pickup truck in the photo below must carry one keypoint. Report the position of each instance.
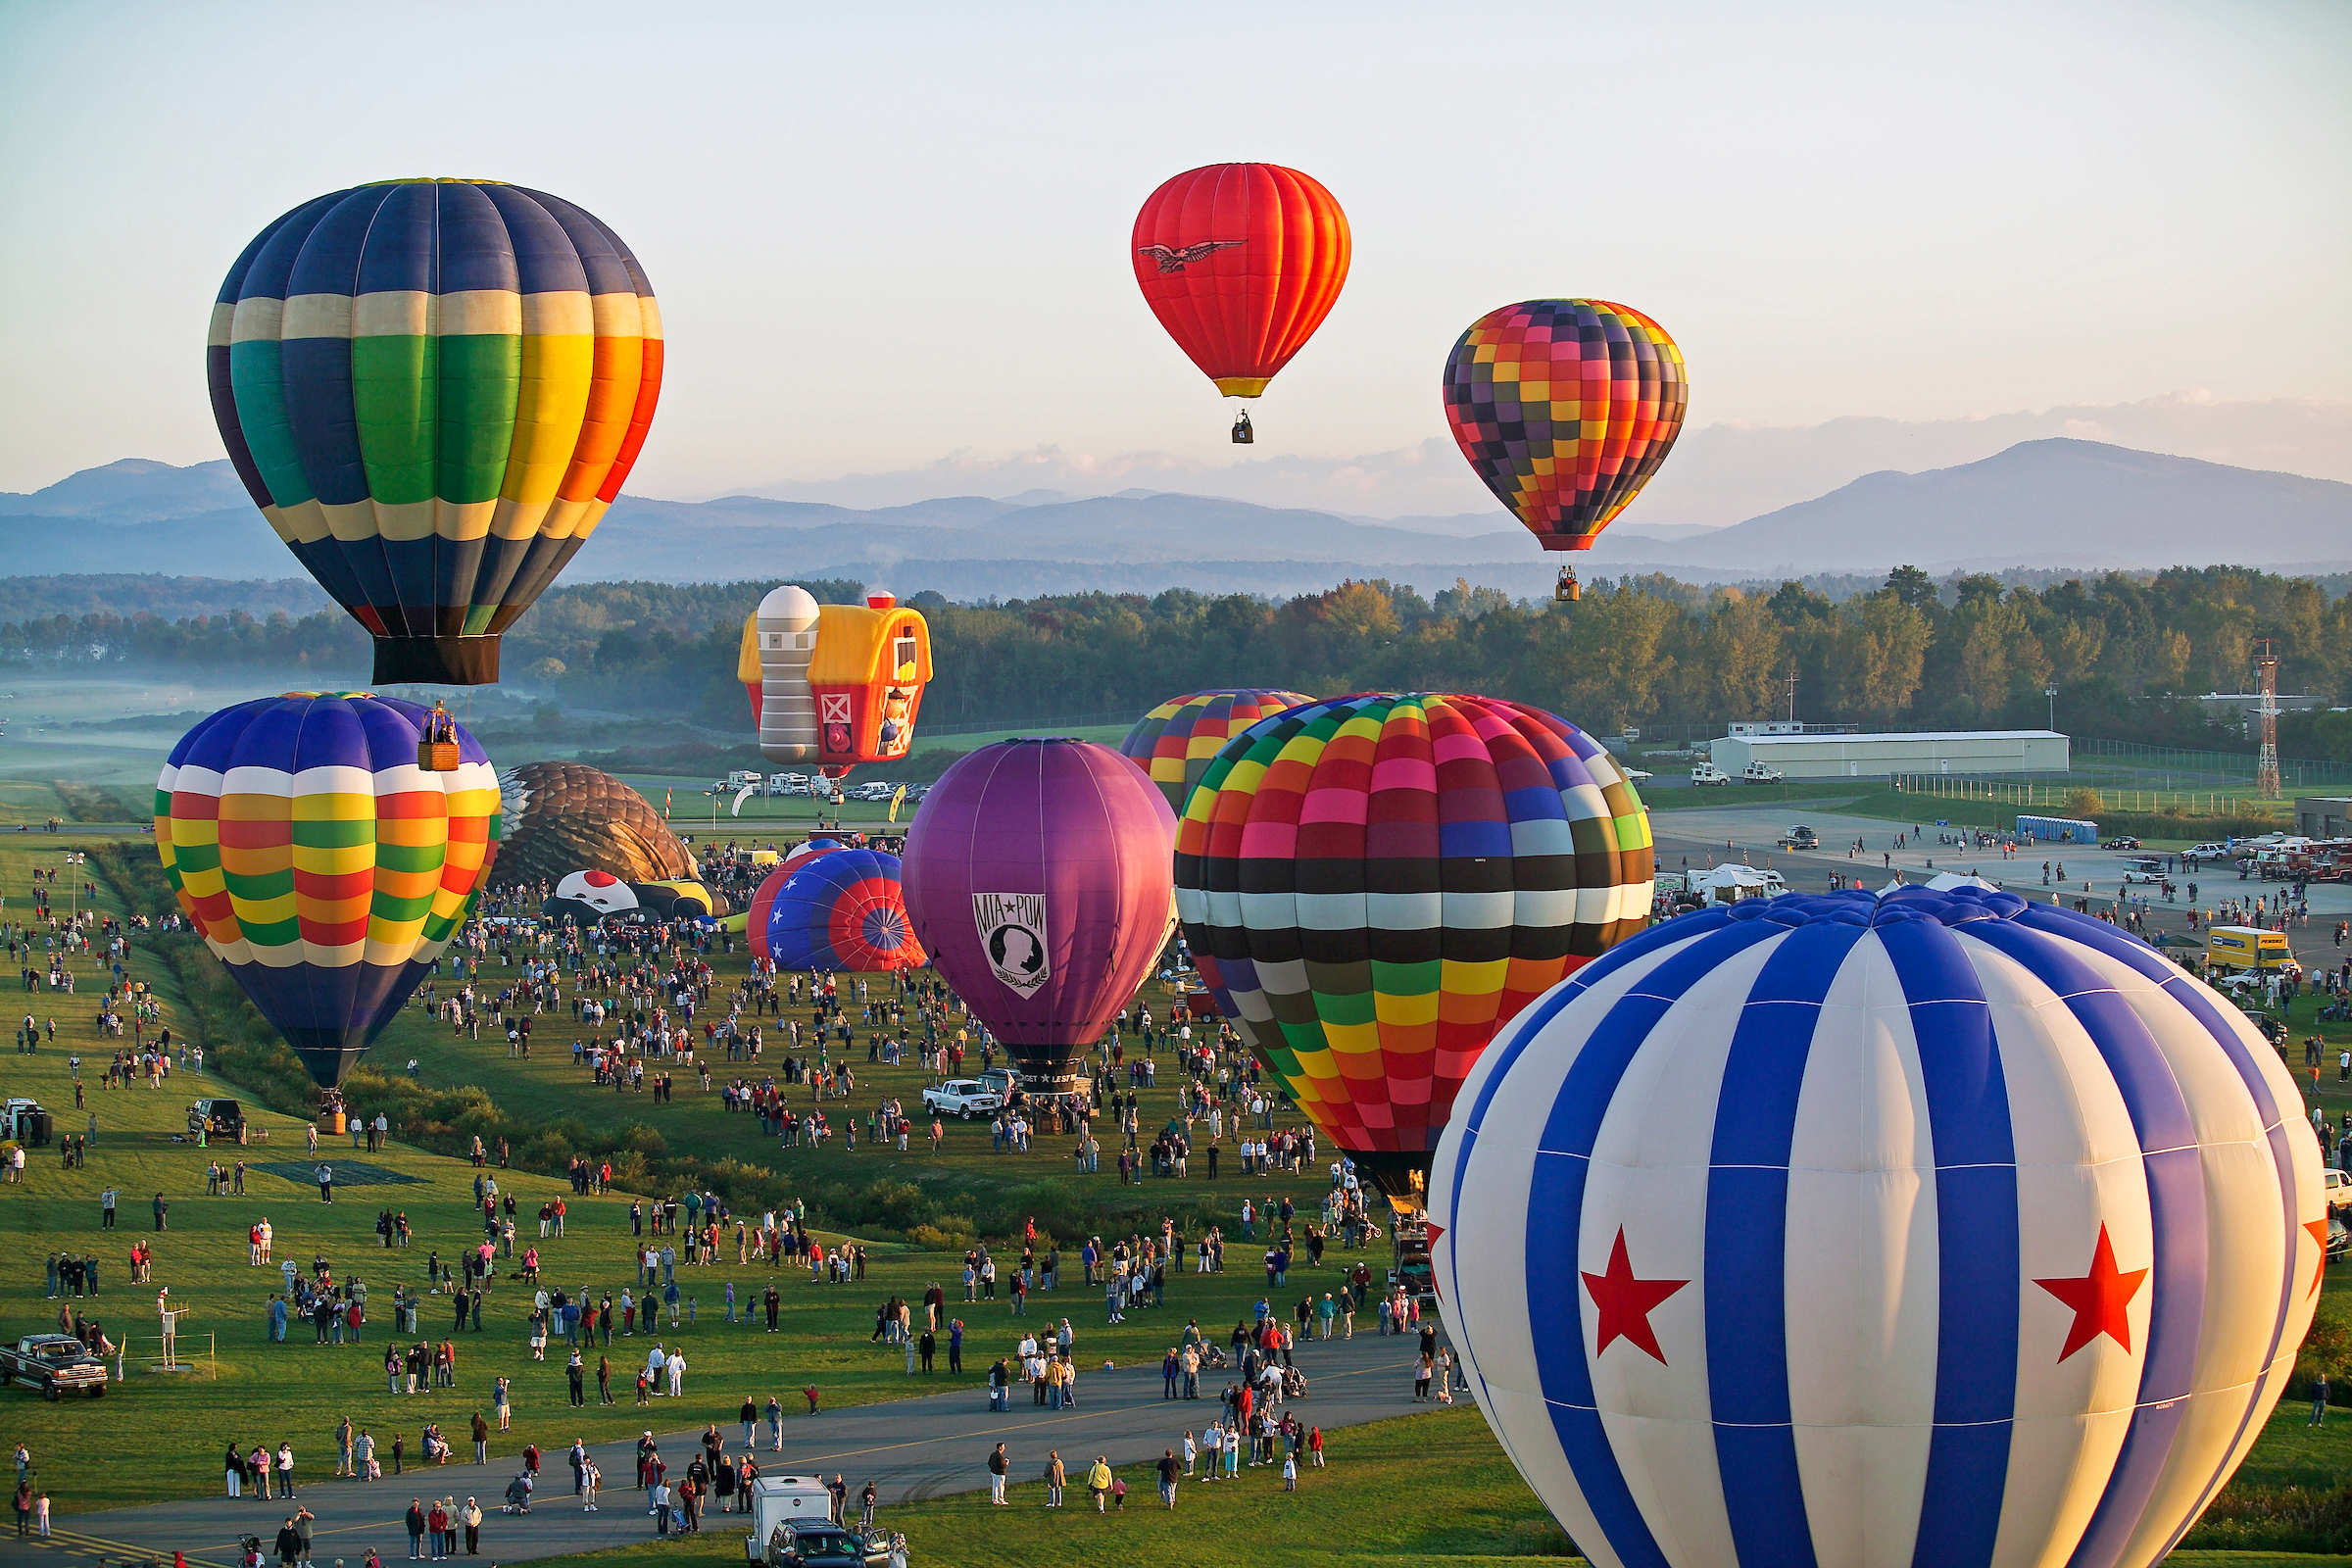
(963, 1097)
(1709, 773)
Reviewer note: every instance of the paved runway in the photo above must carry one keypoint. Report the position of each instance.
(910, 1449)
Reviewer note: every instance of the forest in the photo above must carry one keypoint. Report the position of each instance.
(2125, 651)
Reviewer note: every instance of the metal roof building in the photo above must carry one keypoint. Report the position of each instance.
(1956, 751)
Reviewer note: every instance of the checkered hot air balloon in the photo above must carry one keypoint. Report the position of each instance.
(1565, 408)
(320, 863)
(1938, 1228)
(1175, 742)
(1373, 885)
(433, 389)
(843, 911)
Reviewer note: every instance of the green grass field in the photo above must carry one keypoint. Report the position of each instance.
(169, 1430)
(1443, 1492)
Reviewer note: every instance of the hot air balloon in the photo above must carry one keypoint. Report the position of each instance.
(1240, 263)
(1373, 885)
(1036, 875)
(835, 685)
(1938, 1227)
(843, 911)
(320, 863)
(561, 817)
(433, 389)
(1565, 408)
(1175, 742)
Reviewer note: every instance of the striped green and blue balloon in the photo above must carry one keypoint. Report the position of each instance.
(433, 390)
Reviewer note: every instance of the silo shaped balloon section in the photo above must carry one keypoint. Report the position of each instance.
(1036, 875)
(320, 863)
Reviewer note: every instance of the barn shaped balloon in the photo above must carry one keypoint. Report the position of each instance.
(1565, 408)
(834, 685)
(320, 863)
(1373, 885)
(844, 910)
(433, 389)
(1175, 742)
(1935, 1227)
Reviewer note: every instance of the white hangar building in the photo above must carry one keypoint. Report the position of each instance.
(1956, 751)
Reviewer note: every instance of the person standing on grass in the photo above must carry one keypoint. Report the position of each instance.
(1097, 1481)
(2319, 1400)
(1168, 1471)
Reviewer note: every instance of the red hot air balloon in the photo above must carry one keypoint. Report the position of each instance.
(1038, 877)
(1240, 263)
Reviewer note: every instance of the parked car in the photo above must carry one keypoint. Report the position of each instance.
(1800, 836)
(2340, 1190)
(2142, 868)
(962, 1096)
(2207, 852)
(2124, 843)
(805, 1542)
(57, 1364)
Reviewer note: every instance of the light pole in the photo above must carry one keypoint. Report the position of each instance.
(2051, 692)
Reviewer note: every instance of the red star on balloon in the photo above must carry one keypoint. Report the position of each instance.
(2102, 1298)
(2319, 1234)
(1626, 1302)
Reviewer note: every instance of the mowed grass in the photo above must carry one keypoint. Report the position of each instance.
(163, 1433)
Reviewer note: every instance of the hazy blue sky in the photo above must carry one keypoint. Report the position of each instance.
(882, 235)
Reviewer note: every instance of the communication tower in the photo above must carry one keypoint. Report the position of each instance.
(2266, 767)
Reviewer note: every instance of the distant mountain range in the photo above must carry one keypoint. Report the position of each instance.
(2050, 503)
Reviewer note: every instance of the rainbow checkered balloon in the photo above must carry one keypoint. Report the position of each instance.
(320, 863)
(1373, 885)
(1565, 408)
(1175, 742)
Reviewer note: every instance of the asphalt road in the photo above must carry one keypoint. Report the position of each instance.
(910, 1449)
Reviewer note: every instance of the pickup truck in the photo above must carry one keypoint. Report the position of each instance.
(964, 1096)
(1758, 774)
(1709, 773)
(56, 1364)
(1800, 836)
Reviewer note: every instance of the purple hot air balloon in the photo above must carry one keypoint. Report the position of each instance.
(1038, 877)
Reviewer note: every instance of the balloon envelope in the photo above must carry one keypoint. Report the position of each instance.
(562, 818)
(842, 911)
(1565, 408)
(320, 863)
(1036, 875)
(1240, 263)
(1372, 885)
(433, 389)
(1175, 742)
(1932, 1227)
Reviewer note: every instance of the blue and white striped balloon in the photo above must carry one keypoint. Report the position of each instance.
(1861, 1232)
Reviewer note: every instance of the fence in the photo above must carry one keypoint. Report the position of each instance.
(187, 1352)
(2053, 799)
(2294, 772)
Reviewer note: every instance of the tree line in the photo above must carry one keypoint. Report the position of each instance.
(2128, 652)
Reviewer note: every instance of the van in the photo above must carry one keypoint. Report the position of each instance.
(1709, 773)
(777, 1500)
(2245, 946)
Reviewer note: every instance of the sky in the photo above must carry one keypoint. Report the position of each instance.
(892, 242)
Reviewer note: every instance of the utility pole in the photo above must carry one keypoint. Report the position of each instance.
(2266, 767)
(1791, 689)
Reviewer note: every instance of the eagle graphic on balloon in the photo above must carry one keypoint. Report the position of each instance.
(1934, 1227)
